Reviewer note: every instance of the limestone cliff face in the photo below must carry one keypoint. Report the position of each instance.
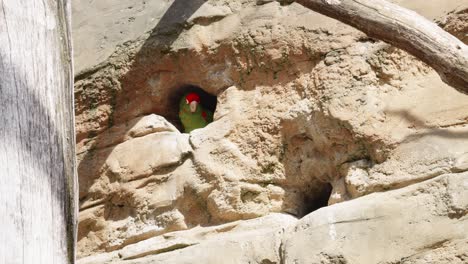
(310, 114)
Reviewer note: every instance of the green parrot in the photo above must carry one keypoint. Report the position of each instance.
(192, 114)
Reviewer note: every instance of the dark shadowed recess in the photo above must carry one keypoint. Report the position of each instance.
(317, 200)
(208, 101)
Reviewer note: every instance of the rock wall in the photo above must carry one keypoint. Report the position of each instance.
(310, 113)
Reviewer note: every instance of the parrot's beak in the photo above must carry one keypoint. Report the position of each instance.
(193, 106)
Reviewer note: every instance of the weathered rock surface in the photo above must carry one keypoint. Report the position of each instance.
(401, 226)
(141, 179)
(445, 253)
(251, 241)
(143, 156)
(421, 223)
(310, 113)
(455, 23)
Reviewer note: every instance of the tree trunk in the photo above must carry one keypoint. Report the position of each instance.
(37, 149)
(404, 29)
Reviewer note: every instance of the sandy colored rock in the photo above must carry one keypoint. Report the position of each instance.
(393, 227)
(143, 179)
(309, 113)
(257, 240)
(100, 258)
(143, 156)
(154, 246)
(455, 23)
(444, 253)
(138, 127)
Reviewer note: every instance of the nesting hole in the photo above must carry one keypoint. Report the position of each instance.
(208, 101)
(317, 200)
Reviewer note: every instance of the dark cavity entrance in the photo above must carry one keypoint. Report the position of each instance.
(317, 200)
(208, 101)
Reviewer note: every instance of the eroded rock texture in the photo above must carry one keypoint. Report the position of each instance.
(310, 113)
(455, 23)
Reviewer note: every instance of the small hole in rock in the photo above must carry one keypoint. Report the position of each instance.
(207, 101)
(317, 200)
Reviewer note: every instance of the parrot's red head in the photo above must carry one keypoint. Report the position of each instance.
(192, 97)
(193, 100)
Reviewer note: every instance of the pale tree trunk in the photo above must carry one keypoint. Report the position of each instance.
(37, 159)
(404, 29)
